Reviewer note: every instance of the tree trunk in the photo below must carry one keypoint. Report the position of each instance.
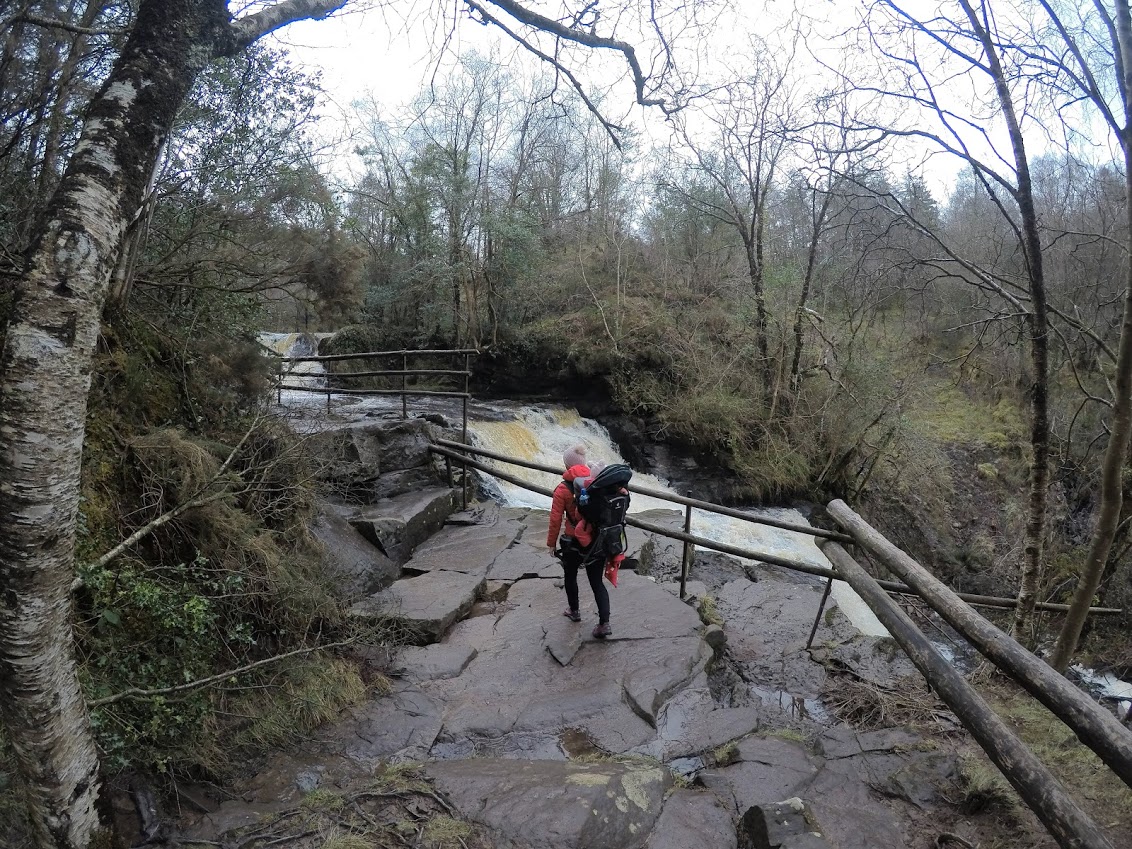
(1116, 451)
(1093, 723)
(1038, 325)
(45, 369)
(1038, 787)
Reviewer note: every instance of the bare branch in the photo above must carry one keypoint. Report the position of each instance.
(248, 29)
(139, 693)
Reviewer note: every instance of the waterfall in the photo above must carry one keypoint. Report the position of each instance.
(312, 375)
(541, 433)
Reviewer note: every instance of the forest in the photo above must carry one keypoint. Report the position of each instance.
(882, 258)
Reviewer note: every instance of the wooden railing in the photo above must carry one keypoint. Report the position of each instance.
(1095, 727)
(461, 375)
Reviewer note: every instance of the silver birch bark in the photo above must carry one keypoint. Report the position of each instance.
(45, 369)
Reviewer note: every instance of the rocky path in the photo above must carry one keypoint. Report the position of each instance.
(673, 733)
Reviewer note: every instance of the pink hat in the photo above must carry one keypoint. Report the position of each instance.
(575, 456)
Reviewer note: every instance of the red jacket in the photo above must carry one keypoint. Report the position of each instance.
(562, 506)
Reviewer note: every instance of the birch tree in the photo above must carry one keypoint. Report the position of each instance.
(45, 371)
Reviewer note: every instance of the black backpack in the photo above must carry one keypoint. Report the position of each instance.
(603, 503)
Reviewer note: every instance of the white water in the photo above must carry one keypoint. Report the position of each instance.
(540, 434)
(1109, 687)
(299, 374)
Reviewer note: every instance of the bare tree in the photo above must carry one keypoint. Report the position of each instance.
(45, 370)
(749, 133)
(922, 54)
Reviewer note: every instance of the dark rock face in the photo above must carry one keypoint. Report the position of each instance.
(354, 565)
(363, 463)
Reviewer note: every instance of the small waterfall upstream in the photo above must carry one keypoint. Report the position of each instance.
(541, 433)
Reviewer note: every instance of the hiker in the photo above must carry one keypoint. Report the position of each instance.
(572, 550)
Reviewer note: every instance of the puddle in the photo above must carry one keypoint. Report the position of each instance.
(796, 707)
(519, 746)
(688, 768)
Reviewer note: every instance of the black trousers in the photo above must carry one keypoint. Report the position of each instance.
(573, 557)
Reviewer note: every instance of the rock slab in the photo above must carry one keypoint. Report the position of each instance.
(555, 804)
(425, 606)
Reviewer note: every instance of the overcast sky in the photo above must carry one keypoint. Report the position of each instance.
(379, 53)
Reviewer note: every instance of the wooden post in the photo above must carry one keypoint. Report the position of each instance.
(821, 610)
(467, 389)
(279, 383)
(686, 560)
(1039, 789)
(1098, 729)
(328, 400)
(404, 385)
(448, 470)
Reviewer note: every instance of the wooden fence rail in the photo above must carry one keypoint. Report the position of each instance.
(1096, 727)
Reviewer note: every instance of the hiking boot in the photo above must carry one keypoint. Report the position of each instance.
(602, 630)
(572, 615)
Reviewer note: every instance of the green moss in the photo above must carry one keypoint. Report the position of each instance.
(987, 471)
(725, 755)
(443, 832)
(323, 800)
(709, 613)
(791, 734)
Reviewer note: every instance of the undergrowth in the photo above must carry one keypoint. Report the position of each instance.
(1097, 790)
(176, 420)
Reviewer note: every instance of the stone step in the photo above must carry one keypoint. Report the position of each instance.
(399, 524)
(423, 608)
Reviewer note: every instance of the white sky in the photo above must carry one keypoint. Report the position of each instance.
(392, 57)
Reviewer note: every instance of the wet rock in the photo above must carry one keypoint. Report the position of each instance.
(661, 557)
(353, 564)
(878, 660)
(563, 640)
(768, 624)
(691, 723)
(921, 781)
(557, 805)
(425, 607)
(516, 684)
(527, 557)
(693, 818)
(844, 742)
(402, 726)
(649, 685)
(769, 770)
(851, 817)
(787, 825)
(362, 463)
(431, 663)
(715, 637)
(464, 549)
(398, 525)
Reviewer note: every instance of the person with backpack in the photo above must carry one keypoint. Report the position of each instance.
(577, 542)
